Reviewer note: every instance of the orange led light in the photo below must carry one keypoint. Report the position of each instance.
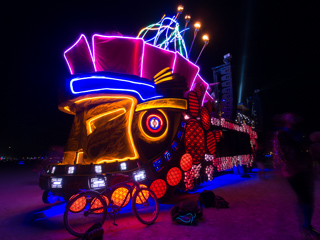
(119, 196)
(141, 198)
(96, 203)
(108, 116)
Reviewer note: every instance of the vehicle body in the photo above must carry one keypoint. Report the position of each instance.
(137, 103)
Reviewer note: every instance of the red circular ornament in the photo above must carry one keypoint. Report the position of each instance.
(174, 176)
(186, 162)
(159, 187)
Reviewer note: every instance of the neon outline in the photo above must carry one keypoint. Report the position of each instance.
(64, 54)
(133, 100)
(111, 89)
(89, 121)
(149, 137)
(177, 103)
(123, 37)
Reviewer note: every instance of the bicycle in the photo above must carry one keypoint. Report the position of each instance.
(89, 207)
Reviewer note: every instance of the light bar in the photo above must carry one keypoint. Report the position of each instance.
(98, 169)
(71, 170)
(123, 166)
(139, 175)
(97, 182)
(56, 182)
(144, 89)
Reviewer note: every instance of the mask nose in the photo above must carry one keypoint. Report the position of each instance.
(104, 129)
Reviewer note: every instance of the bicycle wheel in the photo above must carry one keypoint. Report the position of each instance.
(84, 210)
(145, 206)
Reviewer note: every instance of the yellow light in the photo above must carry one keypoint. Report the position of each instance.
(197, 25)
(205, 38)
(187, 18)
(79, 158)
(177, 103)
(164, 80)
(180, 8)
(149, 137)
(108, 116)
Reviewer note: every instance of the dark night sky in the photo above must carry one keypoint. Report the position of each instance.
(279, 56)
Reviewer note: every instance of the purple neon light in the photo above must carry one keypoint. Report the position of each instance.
(198, 69)
(110, 37)
(160, 49)
(64, 54)
(173, 64)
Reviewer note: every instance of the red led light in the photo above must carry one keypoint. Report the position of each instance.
(211, 143)
(159, 187)
(186, 162)
(205, 118)
(198, 90)
(174, 176)
(195, 141)
(193, 103)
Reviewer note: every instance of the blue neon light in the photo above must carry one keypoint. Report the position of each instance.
(174, 146)
(157, 164)
(96, 83)
(167, 156)
(180, 133)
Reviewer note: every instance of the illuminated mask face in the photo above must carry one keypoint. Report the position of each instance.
(109, 128)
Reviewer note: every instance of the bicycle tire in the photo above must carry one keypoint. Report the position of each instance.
(78, 221)
(145, 206)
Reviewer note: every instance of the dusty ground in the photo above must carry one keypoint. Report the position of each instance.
(259, 209)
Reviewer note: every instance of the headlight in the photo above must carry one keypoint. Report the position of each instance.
(123, 166)
(97, 182)
(56, 182)
(71, 170)
(98, 169)
(139, 175)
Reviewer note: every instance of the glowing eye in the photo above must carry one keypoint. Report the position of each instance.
(154, 123)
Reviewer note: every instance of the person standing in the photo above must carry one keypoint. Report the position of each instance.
(292, 156)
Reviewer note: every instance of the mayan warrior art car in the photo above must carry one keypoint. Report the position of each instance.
(134, 101)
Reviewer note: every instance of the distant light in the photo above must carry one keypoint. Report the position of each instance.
(180, 8)
(97, 182)
(71, 170)
(123, 166)
(56, 182)
(186, 117)
(139, 175)
(98, 169)
(187, 18)
(197, 25)
(205, 38)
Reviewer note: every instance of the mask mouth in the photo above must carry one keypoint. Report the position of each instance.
(102, 128)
